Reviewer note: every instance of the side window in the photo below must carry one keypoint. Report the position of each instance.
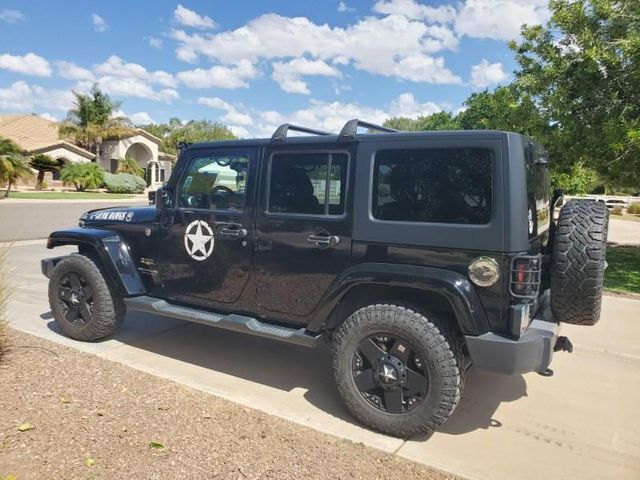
(443, 185)
(307, 183)
(215, 183)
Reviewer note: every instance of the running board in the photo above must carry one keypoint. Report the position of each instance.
(237, 323)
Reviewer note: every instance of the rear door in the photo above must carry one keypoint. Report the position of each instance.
(303, 228)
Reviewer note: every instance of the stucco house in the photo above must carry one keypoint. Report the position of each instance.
(34, 134)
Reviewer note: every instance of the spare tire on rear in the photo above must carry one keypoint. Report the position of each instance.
(578, 262)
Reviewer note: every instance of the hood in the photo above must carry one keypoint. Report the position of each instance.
(123, 215)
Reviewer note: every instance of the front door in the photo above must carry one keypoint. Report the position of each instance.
(303, 229)
(205, 245)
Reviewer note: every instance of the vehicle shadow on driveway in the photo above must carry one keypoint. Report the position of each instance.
(287, 367)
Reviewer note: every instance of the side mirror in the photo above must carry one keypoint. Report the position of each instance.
(164, 198)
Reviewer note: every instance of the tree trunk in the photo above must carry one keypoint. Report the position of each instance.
(40, 179)
(6, 194)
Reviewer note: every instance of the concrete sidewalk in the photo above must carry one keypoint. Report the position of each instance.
(581, 423)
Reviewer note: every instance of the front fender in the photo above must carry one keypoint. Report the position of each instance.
(112, 251)
(452, 285)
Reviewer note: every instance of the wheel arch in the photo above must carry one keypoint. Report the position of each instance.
(107, 248)
(427, 288)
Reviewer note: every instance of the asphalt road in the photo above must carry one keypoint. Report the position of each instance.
(582, 423)
(33, 220)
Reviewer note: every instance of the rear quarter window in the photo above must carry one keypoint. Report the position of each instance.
(433, 185)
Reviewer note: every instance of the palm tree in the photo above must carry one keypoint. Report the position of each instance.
(83, 176)
(94, 118)
(44, 163)
(12, 165)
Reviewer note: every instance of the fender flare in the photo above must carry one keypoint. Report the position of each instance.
(455, 287)
(111, 249)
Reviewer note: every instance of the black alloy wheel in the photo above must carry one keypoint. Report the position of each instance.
(76, 298)
(389, 374)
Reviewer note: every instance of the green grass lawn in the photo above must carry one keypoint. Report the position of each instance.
(68, 195)
(623, 272)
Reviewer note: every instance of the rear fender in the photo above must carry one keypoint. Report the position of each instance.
(111, 250)
(453, 286)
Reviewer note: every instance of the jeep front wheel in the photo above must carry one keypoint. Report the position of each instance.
(83, 305)
(396, 370)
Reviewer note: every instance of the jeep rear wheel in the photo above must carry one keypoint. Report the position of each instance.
(578, 262)
(397, 371)
(81, 301)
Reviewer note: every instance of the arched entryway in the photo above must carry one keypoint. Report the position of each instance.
(144, 158)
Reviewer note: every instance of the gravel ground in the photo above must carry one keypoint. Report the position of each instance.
(86, 417)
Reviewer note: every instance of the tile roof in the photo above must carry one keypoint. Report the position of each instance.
(33, 133)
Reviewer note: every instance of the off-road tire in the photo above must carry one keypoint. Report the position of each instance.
(578, 262)
(442, 354)
(108, 307)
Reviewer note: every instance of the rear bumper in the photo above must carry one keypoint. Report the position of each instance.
(532, 352)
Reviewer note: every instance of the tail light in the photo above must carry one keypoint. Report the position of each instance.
(526, 273)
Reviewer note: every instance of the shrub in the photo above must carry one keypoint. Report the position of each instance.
(124, 183)
(616, 211)
(83, 176)
(129, 165)
(634, 209)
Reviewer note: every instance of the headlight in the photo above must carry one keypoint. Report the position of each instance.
(82, 219)
(484, 271)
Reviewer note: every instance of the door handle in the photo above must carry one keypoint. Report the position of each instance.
(323, 240)
(234, 232)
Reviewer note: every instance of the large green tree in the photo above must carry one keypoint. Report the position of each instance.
(175, 132)
(94, 118)
(435, 121)
(583, 70)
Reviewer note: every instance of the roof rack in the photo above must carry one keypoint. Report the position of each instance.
(350, 129)
(280, 135)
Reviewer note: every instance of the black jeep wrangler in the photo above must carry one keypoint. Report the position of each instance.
(414, 255)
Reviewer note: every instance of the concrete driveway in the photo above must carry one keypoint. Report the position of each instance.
(584, 422)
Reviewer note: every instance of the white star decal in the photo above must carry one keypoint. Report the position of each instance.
(198, 240)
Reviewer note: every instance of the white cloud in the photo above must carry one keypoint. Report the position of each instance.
(343, 7)
(422, 68)
(189, 18)
(130, 87)
(116, 67)
(140, 118)
(48, 116)
(485, 74)
(273, 36)
(414, 10)
(232, 115)
(73, 71)
(405, 105)
(99, 23)
(11, 16)
(29, 64)
(329, 116)
(155, 42)
(230, 77)
(499, 19)
(289, 74)
(21, 96)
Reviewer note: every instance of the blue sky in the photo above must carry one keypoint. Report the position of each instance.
(255, 64)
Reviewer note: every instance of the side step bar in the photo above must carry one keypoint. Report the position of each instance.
(237, 323)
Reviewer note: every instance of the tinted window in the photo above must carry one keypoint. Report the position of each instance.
(308, 183)
(445, 185)
(215, 182)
